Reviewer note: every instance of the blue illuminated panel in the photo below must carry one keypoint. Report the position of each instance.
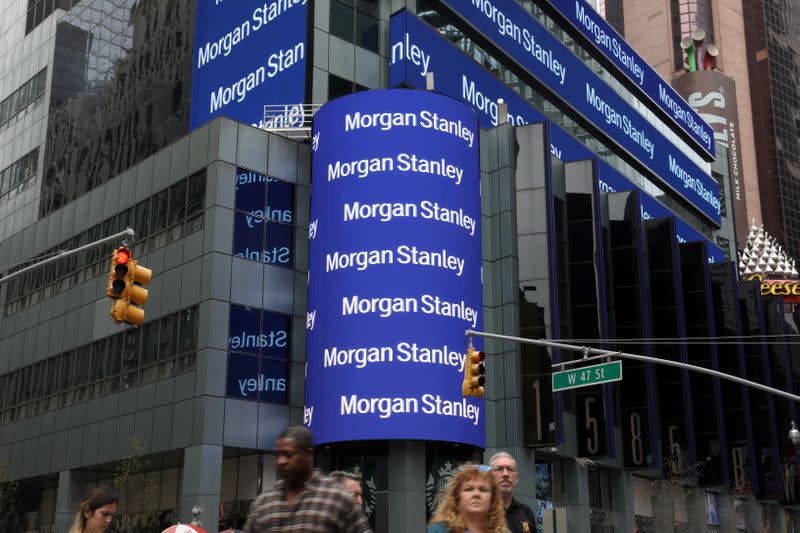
(580, 15)
(258, 367)
(394, 269)
(263, 223)
(417, 49)
(246, 55)
(525, 41)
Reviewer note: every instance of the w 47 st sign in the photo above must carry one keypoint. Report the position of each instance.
(587, 375)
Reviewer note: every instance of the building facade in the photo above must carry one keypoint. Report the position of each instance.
(771, 45)
(656, 29)
(584, 238)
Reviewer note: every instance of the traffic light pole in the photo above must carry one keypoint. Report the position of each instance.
(61, 254)
(599, 353)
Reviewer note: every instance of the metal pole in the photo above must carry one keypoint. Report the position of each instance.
(602, 354)
(66, 253)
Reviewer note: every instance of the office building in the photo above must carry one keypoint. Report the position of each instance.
(604, 219)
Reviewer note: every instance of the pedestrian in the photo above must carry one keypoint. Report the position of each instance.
(303, 500)
(351, 483)
(95, 512)
(472, 503)
(519, 517)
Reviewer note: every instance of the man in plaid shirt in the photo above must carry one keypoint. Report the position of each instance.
(303, 500)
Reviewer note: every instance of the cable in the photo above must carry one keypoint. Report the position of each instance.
(673, 339)
(683, 342)
(31, 260)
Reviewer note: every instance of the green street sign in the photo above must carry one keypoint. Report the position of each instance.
(587, 375)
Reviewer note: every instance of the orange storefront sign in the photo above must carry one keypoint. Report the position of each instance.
(788, 288)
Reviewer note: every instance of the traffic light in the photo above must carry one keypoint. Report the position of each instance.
(474, 373)
(125, 287)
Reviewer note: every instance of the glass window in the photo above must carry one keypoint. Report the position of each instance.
(11, 391)
(29, 20)
(250, 192)
(242, 376)
(33, 161)
(42, 85)
(33, 88)
(280, 201)
(159, 211)
(189, 328)
(169, 337)
(109, 228)
(124, 220)
(197, 193)
(279, 245)
(24, 395)
(369, 6)
(275, 333)
(67, 369)
(130, 350)
(272, 380)
(340, 87)
(14, 103)
(342, 20)
(22, 167)
(248, 236)
(177, 203)
(129, 380)
(367, 32)
(92, 254)
(53, 365)
(83, 365)
(114, 359)
(99, 353)
(15, 174)
(24, 92)
(5, 110)
(187, 362)
(142, 219)
(150, 333)
(244, 329)
(38, 380)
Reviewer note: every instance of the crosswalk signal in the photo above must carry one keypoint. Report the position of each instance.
(125, 287)
(474, 373)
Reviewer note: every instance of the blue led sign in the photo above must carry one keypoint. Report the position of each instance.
(580, 15)
(417, 49)
(394, 269)
(248, 54)
(516, 33)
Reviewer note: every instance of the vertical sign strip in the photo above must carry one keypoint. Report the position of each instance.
(394, 269)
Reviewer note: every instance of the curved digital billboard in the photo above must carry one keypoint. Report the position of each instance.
(394, 269)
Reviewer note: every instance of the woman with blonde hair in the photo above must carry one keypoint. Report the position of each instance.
(95, 512)
(472, 503)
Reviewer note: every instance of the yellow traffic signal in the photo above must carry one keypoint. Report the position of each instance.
(125, 286)
(119, 269)
(474, 373)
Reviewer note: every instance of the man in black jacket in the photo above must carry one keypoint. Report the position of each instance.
(519, 517)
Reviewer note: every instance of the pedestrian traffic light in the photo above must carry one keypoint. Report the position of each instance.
(125, 287)
(474, 373)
